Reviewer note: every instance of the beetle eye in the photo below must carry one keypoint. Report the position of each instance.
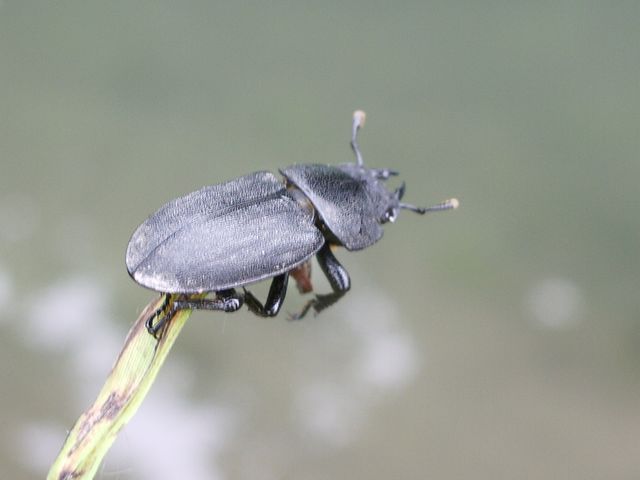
(390, 215)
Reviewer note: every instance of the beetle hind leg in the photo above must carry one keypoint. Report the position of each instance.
(275, 298)
(167, 309)
(226, 301)
(338, 279)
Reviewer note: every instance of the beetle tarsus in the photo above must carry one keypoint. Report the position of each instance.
(275, 298)
(319, 303)
(227, 301)
(338, 279)
(165, 310)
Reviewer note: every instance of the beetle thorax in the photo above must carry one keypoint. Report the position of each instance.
(350, 200)
(385, 204)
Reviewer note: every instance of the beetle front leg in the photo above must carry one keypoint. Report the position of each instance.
(275, 298)
(338, 279)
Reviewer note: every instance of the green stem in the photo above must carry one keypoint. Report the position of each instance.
(130, 379)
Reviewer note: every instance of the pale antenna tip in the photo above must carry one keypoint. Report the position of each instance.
(359, 118)
(450, 204)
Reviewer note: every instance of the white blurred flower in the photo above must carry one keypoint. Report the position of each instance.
(556, 303)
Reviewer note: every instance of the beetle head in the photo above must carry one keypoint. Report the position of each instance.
(351, 201)
(391, 213)
(392, 208)
(388, 204)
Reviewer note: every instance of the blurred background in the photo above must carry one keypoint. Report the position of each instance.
(498, 341)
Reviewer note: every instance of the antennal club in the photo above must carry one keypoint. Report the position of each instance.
(359, 118)
(450, 204)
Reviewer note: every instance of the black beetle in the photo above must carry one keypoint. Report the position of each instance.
(256, 227)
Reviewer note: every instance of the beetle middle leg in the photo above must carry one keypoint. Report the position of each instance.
(338, 279)
(275, 298)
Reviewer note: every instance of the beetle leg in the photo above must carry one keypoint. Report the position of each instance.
(338, 279)
(226, 301)
(302, 275)
(275, 298)
(152, 328)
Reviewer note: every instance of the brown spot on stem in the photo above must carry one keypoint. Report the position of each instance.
(111, 408)
(107, 411)
(70, 474)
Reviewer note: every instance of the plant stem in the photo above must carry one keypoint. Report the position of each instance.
(130, 379)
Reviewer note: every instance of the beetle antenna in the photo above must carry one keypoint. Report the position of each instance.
(384, 173)
(450, 204)
(359, 118)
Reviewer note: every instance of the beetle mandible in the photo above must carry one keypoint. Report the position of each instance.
(255, 227)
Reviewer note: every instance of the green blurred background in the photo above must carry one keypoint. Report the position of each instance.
(499, 341)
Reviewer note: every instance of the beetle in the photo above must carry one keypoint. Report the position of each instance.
(257, 227)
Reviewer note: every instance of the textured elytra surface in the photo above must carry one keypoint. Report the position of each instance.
(223, 236)
(348, 198)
